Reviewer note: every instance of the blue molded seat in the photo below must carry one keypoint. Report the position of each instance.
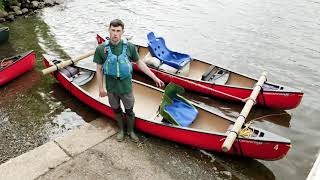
(158, 49)
(176, 109)
(182, 112)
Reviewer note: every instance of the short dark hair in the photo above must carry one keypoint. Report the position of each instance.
(116, 23)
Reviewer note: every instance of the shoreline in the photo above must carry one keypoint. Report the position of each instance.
(25, 8)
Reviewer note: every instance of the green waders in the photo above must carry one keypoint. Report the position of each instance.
(130, 123)
(118, 114)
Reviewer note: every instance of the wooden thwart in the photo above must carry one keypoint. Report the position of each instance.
(232, 135)
(66, 63)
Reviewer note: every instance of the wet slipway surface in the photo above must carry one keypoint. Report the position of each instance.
(245, 36)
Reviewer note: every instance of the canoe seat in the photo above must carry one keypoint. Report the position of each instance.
(158, 49)
(176, 109)
(83, 77)
(216, 75)
(69, 71)
(155, 63)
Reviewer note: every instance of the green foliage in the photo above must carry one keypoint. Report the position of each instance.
(1, 5)
(14, 2)
(5, 4)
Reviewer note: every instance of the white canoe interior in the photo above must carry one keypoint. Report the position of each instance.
(147, 101)
(196, 69)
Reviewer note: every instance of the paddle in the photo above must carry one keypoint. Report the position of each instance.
(233, 133)
(66, 63)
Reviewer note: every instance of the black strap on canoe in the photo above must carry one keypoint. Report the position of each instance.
(237, 138)
(235, 148)
(55, 62)
(57, 68)
(239, 144)
(240, 115)
(262, 94)
(234, 132)
(72, 61)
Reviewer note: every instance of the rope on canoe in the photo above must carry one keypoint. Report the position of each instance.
(279, 114)
(5, 62)
(246, 131)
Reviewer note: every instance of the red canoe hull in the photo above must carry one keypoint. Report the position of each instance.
(274, 100)
(19, 67)
(271, 99)
(266, 150)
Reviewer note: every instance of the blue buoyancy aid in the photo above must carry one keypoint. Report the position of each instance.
(117, 66)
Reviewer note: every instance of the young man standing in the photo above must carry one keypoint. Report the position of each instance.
(113, 61)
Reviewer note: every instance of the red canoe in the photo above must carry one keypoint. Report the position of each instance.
(12, 67)
(208, 131)
(225, 84)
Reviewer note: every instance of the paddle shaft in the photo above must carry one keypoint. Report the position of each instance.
(233, 133)
(66, 63)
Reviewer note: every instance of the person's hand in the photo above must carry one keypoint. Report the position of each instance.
(102, 93)
(158, 82)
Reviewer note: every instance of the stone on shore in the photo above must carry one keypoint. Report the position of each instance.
(48, 2)
(58, 1)
(15, 8)
(18, 12)
(41, 5)
(35, 4)
(3, 14)
(24, 10)
(10, 17)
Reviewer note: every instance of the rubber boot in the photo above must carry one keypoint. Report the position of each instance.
(130, 122)
(118, 114)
